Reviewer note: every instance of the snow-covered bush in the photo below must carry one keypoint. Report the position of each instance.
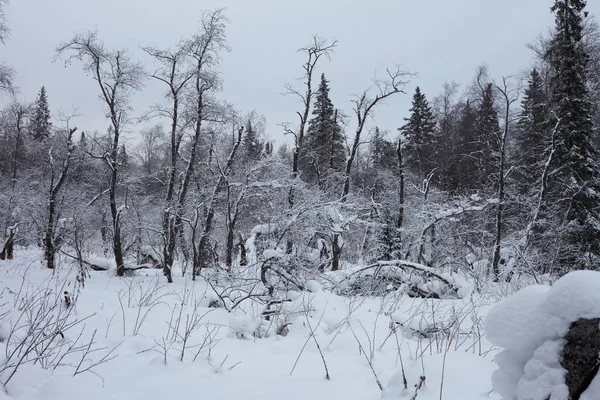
(532, 327)
(388, 276)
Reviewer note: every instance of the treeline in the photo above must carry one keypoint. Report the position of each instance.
(498, 178)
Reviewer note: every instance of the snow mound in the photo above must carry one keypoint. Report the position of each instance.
(530, 325)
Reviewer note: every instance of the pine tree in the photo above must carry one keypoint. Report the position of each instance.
(251, 142)
(488, 129)
(40, 121)
(123, 157)
(324, 151)
(383, 153)
(463, 165)
(531, 130)
(576, 169)
(420, 135)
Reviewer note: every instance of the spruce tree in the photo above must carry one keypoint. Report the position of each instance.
(251, 142)
(324, 151)
(463, 164)
(531, 133)
(419, 132)
(383, 153)
(574, 185)
(40, 121)
(486, 143)
(123, 157)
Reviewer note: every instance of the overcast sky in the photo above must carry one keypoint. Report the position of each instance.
(439, 40)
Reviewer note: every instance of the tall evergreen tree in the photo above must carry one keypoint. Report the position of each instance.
(324, 150)
(531, 133)
(488, 130)
(447, 114)
(574, 185)
(463, 164)
(40, 121)
(123, 157)
(251, 142)
(420, 135)
(383, 153)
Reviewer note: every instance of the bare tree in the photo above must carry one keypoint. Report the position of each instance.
(363, 106)
(15, 123)
(117, 76)
(151, 147)
(7, 74)
(202, 255)
(234, 206)
(57, 180)
(317, 49)
(510, 94)
(174, 70)
(204, 49)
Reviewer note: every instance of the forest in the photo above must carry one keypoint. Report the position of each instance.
(497, 179)
(496, 182)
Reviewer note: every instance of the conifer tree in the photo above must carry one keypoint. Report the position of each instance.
(123, 157)
(419, 132)
(487, 130)
(574, 185)
(463, 164)
(40, 121)
(324, 151)
(531, 133)
(251, 142)
(383, 154)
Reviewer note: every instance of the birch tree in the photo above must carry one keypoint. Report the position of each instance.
(117, 76)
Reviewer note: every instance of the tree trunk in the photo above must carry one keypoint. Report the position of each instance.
(336, 252)
(114, 211)
(229, 247)
(500, 206)
(49, 237)
(204, 250)
(400, 220)
(242, 244)
(169, 230)
(49, 240)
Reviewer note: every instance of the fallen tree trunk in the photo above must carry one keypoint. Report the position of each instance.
(413, 289)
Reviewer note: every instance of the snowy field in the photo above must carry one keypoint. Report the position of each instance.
(140, 338)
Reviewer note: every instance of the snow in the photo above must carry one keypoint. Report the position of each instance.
(102, 263)
(530, 325)
(240, 354)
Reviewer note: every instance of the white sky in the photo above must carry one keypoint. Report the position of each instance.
(440, 40)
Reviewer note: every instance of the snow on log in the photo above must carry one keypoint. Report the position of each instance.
(551, 340)
(383, 276)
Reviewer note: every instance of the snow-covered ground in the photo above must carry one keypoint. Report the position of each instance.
(139, 326)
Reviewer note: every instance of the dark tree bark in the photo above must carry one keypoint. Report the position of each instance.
(233, 211)
(55, 186)
(7, 251)
(580, 355)
(336, 252)
(400, 219)
(242, 244)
